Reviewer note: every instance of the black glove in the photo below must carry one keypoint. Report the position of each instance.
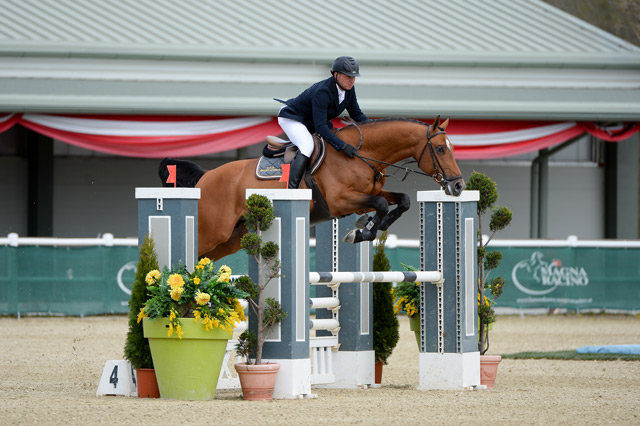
(350, 150)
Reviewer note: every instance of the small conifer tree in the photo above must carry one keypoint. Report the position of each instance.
(385, 322)
(268, 311)
(136, 348)
(488, 260)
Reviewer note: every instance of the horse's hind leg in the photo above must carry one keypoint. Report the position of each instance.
(370, 229)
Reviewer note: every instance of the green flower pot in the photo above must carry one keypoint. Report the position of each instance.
(187, 368)
(414, 325)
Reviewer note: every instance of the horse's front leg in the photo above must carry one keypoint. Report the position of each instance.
(400, 200)
(370, 229)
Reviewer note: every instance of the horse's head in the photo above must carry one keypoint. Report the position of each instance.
(436, 158)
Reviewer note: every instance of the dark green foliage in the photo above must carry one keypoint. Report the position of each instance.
(251, 244)
(487, 261)
(496, 286)
(259, 213)
(245, 283)
(246, 345)
(488, 190)
(500, 219)
(385, 322)
(492, 259)
(268, 311)
(273, 313)
(136, 348)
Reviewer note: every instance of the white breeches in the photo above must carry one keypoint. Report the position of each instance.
(298, 134)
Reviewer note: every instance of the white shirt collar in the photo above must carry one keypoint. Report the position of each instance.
(341, 94)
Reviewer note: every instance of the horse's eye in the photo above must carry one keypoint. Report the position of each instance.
(440, 149)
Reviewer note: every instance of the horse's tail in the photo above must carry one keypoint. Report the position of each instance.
(188, 173)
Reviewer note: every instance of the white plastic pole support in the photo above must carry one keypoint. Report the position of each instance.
(324, 302)
(324, 324)
(118, 378)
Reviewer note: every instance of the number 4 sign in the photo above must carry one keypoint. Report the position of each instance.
(118, 378)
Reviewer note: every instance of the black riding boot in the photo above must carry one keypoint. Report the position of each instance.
(296, 170)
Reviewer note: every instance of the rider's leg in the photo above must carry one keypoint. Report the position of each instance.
(296, 170)
(300, 136)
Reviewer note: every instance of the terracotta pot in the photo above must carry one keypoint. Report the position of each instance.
(489, 369)
(257, 381)
(378, 374)
(146, 383)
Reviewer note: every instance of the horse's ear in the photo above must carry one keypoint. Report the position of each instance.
(435, 123)
(444, 124)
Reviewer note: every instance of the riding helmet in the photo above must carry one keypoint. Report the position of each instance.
(346, 65)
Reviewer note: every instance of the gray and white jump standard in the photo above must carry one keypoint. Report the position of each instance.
(342, 350)
(288, 343)
(449, 357)
(170, 216)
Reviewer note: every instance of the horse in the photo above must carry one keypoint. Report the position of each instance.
(340, 186)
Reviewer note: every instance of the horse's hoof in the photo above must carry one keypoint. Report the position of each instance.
(351, 237)
(361, 222)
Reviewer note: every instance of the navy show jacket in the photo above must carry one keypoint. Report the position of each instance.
(318, 105)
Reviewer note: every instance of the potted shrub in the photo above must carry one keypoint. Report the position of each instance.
(188, 321)
(385, 322)
(487, 261)
(136, 349)
(257, 379)
(408, 300)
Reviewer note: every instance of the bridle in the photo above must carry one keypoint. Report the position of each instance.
(439, 174)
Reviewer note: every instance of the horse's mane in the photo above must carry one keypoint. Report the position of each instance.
(386, 120)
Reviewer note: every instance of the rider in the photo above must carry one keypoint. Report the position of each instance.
(312, 111)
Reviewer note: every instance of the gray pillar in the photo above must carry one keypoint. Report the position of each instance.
(170, 216)
(621, 188)
(354, 361)
(449, 357)
(40, 185)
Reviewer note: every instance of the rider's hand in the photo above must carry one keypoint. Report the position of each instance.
(350, 150)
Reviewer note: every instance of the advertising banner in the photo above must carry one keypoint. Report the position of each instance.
(570, 277)
(93, 280)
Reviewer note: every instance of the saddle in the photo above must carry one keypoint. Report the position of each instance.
(279, 151)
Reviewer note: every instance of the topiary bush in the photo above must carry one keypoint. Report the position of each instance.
(136, 348)
(268, 311)
(488, 261)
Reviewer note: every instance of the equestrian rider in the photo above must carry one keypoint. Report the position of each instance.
(312, 111)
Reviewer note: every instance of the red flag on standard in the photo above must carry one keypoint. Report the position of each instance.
(285, 174)
(172, 175)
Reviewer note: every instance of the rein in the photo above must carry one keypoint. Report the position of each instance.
(439, 174)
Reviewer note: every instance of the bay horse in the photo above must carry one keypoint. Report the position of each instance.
(343, 185)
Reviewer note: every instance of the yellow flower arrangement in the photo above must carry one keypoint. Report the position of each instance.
(205, 295)
(407, 296)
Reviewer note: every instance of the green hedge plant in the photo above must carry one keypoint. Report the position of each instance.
(385, 322)
(136, 348)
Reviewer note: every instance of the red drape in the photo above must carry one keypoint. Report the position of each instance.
(181, 136)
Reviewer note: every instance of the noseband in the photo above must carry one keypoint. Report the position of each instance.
(439, 174)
